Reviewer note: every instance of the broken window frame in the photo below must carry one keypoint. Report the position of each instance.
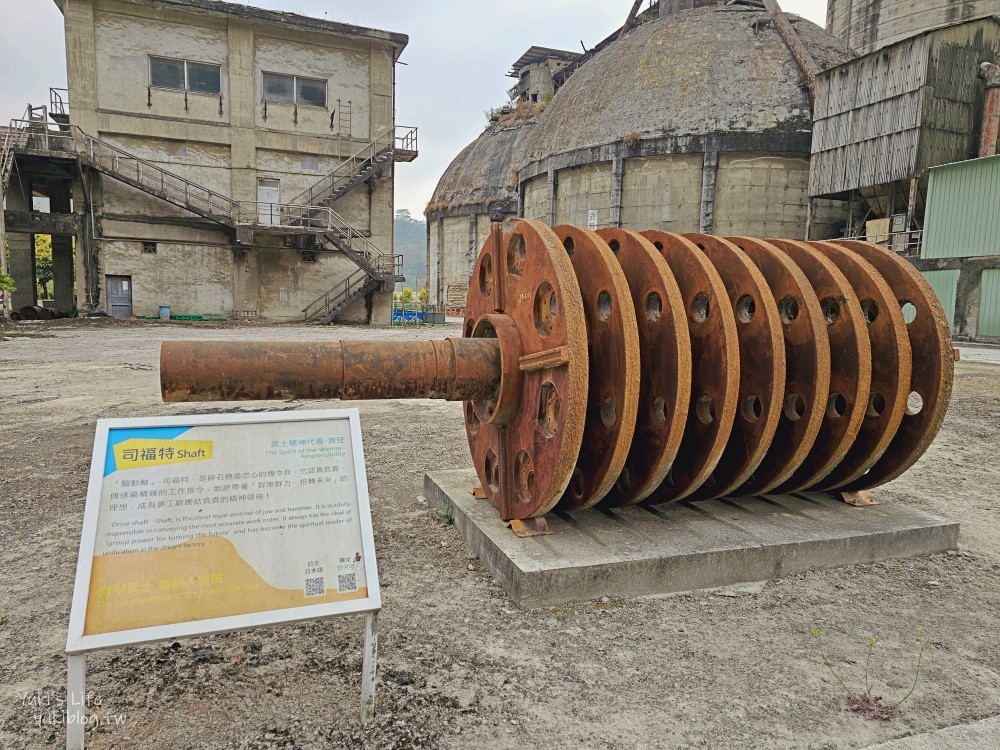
(296, 99)
(187, 78)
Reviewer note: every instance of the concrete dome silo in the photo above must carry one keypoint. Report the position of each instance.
(698, 121)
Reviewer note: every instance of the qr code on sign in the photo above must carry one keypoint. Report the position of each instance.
(315, 587)
(347, 582)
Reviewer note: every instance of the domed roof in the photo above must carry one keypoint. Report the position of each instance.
(720, 69)
(482, 173)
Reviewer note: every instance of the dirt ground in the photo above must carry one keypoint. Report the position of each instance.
(460, 667)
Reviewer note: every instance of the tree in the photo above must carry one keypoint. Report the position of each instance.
(7, 283)
(407, 295)
(422, 295)
(43, 263)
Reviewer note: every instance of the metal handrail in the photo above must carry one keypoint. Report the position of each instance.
(15, 136)
(343, 289)
(59, 101)
(907, 243)
(403, 140)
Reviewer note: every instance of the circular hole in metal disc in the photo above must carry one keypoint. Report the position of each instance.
(546, 308)
(658, 245)
(795, 407)
(870, 308)
(789, 309)
(548, 410)
(615, 247)
(492, 470)
(624, 480)
(745, 308)
(516, 254)
(654, 306)
(914, 403)
(752, 408)
(524, 474)
(909, 311)
(658, 409)
(576, 484)
(569, 245)
(470, 418)
(486, 275)
(831, 310)
(603, 305)
(608, 412)
(700, 308)
(836, 405)
(704, 408)
(876, 404)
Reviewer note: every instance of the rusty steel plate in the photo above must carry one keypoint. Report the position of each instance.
(525, 441)
(890, 384)
(762, 367)
(933, 369)
(850, 364)
(665, 366)
(807, 366)
(715, 363)
(613, 391)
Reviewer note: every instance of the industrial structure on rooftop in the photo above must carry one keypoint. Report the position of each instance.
(734, 118)
(213, 158)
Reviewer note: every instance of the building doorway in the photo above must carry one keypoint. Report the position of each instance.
(119, 296)
(268, 202)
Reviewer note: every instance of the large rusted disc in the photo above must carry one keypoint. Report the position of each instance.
(613, 393)
(850, 364)
(762, 367)
(933, 368)
(665, 366)
(715, 362)
(807, 366)
(890, 383)
(525, 445)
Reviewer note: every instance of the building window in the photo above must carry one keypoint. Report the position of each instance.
(310, 162)
(200, 78)
(310, 92)
(149, 247)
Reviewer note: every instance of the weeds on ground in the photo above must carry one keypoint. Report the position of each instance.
(867, 702)
(447, 515)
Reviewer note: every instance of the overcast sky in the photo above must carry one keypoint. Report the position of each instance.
(459, 53)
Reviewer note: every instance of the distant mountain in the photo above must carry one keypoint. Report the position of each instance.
(410, 238)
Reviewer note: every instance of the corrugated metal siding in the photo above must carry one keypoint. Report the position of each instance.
(963, 210)
(989, 304)
(945, 286)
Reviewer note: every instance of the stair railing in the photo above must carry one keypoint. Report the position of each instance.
(328, 301)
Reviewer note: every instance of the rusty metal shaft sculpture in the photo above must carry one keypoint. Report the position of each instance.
(618, 367)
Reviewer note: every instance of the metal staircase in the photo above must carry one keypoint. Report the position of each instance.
(328, 306)
(399, 144)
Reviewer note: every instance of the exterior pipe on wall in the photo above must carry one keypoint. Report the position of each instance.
(990, 72)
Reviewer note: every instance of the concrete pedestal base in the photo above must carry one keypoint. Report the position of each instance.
(681, 547)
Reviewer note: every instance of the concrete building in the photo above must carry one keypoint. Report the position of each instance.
(535, 72)
(868, 25)
(215, 158)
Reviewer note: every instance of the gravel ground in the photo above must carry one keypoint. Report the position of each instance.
(460, 667)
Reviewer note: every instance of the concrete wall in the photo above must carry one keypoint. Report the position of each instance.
(108, 45)
(662, 192)
(761, 195)
(583, 190)
(536, 198)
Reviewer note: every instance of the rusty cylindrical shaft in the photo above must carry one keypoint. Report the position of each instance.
(991, 109)
(454, 369)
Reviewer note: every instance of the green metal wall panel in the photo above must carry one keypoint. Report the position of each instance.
(963, 210)
(989, 304)
(945, 285)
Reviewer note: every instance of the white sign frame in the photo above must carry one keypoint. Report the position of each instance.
(78, 644)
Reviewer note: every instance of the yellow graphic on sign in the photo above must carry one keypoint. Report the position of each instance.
(200, 579)
(140, 454)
